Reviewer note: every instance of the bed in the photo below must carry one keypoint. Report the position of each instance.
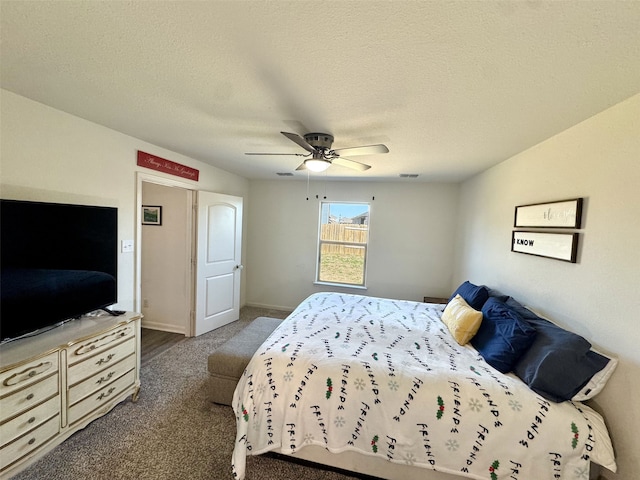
(373, 381)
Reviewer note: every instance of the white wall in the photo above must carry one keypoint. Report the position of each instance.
(48, 155)
(410, 250)
(598, 297)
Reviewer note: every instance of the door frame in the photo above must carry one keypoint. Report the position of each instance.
(142, 177)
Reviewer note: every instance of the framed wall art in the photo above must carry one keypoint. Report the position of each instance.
(151, 215)
(560, 246)
(561, 214)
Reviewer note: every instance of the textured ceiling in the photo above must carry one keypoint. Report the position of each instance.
(451, 88)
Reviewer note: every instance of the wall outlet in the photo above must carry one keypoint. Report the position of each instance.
(145, 303)
(127, 246)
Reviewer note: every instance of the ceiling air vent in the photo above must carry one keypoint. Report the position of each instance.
(408, 175)
(284, 174)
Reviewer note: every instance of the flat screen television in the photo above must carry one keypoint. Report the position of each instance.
(57, 262)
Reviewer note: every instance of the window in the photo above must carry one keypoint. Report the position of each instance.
(342, 243)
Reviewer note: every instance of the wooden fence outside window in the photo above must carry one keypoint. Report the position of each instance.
(344, 239)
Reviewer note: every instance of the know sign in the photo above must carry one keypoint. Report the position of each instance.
(561, 246)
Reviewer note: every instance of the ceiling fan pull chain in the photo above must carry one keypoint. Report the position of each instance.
(324, 197)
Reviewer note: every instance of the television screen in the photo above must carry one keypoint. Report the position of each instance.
(58, 261)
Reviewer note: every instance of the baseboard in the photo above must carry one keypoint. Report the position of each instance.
(270, 307)
(163, 327)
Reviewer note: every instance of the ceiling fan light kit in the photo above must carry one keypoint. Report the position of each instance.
(322, 157)
(317, 165)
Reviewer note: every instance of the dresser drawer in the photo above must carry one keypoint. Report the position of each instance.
(101, 379)
(29, 420)
(28, 373)
(27, 443)
(80, 351)
(101, 397)
(27, 398)
(103, 360)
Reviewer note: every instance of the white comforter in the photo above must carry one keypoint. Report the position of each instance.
(385, 378)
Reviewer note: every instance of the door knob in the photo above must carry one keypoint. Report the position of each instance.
(238, 267)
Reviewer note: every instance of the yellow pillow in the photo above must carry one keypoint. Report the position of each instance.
(461, 320)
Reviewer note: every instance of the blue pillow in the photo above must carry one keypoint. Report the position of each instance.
(474, 295)
(558, 363)
(495, 293)
(503, 337)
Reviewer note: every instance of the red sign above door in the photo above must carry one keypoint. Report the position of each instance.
(167, 166)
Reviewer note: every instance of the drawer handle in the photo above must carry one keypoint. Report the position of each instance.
(105, 378)
(31, 420)
(30, 396)
(27, 374)
(108, 359)
(106, 394)
(111, 337)
(32, 441)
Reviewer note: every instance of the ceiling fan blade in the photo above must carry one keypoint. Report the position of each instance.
(345, 162)
(302, 166)
(296, 154)
(364, 150)
(294, 137)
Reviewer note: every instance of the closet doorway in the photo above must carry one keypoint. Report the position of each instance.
(164, 273)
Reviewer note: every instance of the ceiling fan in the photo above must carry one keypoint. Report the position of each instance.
(321, 156)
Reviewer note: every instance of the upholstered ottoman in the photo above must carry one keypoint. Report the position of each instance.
(228, 362)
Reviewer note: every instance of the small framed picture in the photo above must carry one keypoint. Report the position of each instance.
(151, 215)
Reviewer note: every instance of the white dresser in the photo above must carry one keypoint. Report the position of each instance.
(57, 382)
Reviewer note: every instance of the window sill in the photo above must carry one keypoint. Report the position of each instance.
(344, 285)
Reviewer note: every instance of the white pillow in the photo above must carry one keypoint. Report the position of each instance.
(595, 385)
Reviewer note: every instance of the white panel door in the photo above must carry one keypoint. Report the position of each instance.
(218, 266)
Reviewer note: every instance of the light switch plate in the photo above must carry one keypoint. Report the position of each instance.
(127, 246)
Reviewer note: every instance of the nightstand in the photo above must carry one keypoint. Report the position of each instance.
(436, 300)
